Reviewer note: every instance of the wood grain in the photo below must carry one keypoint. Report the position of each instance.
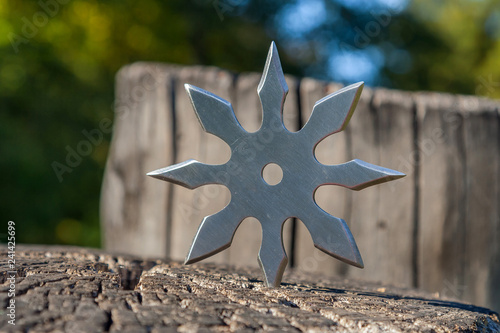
(392, 225)
(133, 206)
(442, 175)
(82, 290)
(482, 165)
(381, 216)
(189, 207)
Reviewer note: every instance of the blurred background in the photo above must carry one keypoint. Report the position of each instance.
(58, 59)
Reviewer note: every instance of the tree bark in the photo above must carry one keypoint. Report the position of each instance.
(84, 290)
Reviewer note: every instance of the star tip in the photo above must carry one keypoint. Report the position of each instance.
(271, 284)
(358, 85)
(156, 176)
(160, 174)
(397, 174)
(273, 70)
(152, 173)
(273, 56)
(358, 261)
(189, 260)
(192, 257)
(190, 89)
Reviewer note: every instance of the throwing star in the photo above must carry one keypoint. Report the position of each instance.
(293, 152)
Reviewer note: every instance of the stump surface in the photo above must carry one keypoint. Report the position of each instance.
(82, 290)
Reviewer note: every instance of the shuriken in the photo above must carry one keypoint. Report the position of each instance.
(272, 205)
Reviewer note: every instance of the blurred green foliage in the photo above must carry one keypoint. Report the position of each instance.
(58, 59)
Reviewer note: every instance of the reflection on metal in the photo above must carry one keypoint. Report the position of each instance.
(293, 152)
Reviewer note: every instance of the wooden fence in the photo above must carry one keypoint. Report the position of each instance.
(437, 229)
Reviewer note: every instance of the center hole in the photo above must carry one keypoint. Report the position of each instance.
(272, 174)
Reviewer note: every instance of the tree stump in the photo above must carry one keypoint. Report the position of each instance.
(82, 290)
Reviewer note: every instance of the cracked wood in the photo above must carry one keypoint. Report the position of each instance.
(82, 290)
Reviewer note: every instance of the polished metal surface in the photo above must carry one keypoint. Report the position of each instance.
(272, 205)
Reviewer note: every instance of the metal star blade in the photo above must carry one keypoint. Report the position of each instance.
(272, 205)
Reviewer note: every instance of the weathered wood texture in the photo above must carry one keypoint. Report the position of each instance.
(459, 196)
(81, 290)
(436, 229)
(134, 206)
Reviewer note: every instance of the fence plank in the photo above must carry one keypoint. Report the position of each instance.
(381, 133)
(133, 208)
(482, 165)
(191, 206)
(363, 204)
(493, 285)
(442, 195)
(395, 222)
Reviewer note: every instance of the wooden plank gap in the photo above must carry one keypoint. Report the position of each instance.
(173, 125)
(463, 207)
(300, 124)
(416, 196)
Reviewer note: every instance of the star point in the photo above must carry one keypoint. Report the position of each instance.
(293, 197)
